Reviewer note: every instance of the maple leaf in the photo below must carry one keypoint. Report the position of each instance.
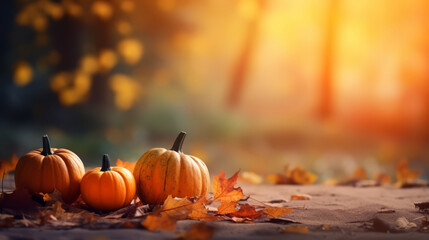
(227, 207)
(246, 211)
(162, 222)
(128, 165)
(200, 212)
(177, 208)
(199, 231)
(382, 179)
(275, 212)
(224, 190)
(296, 229)
(8, 166)
(404, 173)
(299, 175)
(20, 199)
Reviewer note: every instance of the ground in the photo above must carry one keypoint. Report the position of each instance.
(349, 212)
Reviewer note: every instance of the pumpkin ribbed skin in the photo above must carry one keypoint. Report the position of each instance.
(109, 189)
(161, 172)
(62, 170)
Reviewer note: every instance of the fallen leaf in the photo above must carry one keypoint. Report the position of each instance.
(199, 231)
(382, 179)
(296, 229)
(403, 223)
(227, 207)
(275, 212)
(246, 211)
(423, 206)
(300, 196)
(325, 227)
(8, 166)
(251, 177)
(52, 197)
(7, 222)
(404, 173)
(162, 222)
(176, 208)
(379, 225)
(128, 224)
(20, 200)
(277, 179)
(386, 210)
(299, 175)
(359, 174)
(128, 165)
(224, 190)
(199, 211)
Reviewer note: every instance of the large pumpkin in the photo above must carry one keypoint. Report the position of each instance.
(108, 188)
(46, 169)
(161, 172)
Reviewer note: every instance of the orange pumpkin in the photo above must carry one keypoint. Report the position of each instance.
(108, 188)
(46, 169)
(161, 172)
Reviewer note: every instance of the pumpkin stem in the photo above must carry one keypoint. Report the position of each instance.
(105, 165)
(46, 146)
(177, 146)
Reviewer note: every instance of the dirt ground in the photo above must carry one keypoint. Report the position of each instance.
(348, 211)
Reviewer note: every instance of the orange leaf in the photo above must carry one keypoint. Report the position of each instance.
(382, 179)
(177, 208)
(223, 188)
(128, 165)
(163, 222)
(251, 177)
(296, 229)
(246, 211)
(299, 175)
(404, 173)
(199, 211)
(300, 196)
(8, 166)
(20, 199)
(227, 207)
(275, 212)
(199, 231)
(359, 174)
(277, 179)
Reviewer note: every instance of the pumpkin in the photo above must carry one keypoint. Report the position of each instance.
(108, 188)
(46, 169)
(161, 172)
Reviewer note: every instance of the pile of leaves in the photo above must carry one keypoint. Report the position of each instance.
(228, 203)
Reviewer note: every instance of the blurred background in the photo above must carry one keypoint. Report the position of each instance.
(327, 84)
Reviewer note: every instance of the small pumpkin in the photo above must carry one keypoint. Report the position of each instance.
(46, 169)
(161, 172)
(108, 188)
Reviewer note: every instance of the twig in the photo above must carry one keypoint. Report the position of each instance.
(4, 172)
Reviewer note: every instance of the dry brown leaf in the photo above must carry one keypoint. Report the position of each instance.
(251, 177)
(8, 166)
(296, 229)
(162, 222)
(246, 211)
(199, 231)
(20, 200)
(50, 198)
(300, 196)
(275, 212)
(297, 175)
(128, 165)
(404, 173)
(223, 188)
(423, 206)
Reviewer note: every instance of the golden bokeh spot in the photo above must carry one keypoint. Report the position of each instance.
(54, 10)
(131, 50)
(127, 6)
(60, 81)
(40, 23)
(69, 97)
(166, 5)
(249, 9)
(102, 9)
(82, 83)
(89, 64)
(23, 73)
(126, 89)
(72, 8)
(123, 27)
(107, 59)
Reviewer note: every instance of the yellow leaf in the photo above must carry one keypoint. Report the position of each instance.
(227, 207)
(251, 177)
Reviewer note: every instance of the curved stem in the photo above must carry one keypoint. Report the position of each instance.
(177, 146)
(46, 146)
(105, 165)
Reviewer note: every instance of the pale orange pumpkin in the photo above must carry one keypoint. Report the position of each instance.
(46, 169)
(161, 172)
(108, 188)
